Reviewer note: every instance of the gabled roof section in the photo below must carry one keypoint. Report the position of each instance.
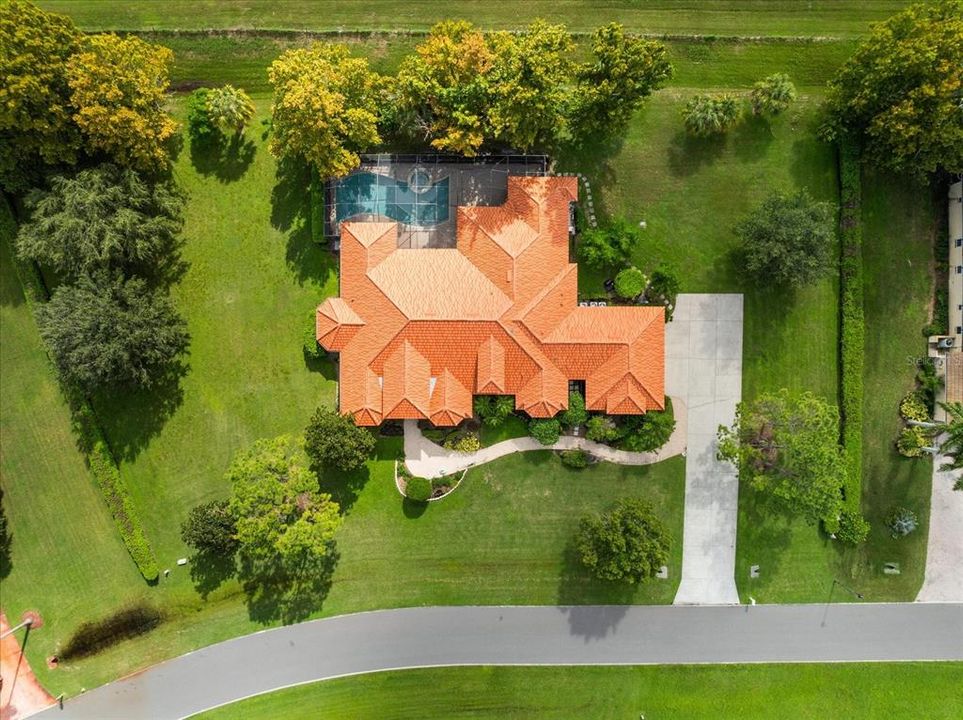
(450, 401)
(405, 383)
(490, 378)
(336, 323)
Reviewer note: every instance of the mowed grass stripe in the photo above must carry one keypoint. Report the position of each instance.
(836, 18)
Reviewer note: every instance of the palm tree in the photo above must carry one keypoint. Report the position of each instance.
(707, 115)
(229, 108)
(952, 446)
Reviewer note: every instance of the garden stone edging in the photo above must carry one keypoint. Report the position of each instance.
(428, 459)
(431, 499)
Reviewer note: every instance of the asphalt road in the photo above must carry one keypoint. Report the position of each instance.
(601, 635)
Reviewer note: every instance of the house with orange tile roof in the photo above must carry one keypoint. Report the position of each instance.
(419, 332)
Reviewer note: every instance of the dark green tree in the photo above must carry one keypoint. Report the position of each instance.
(494, 409)
(106, 332)
(575, 414)
(628, 543)
(104, 217)
(648, 432)
(332, 440)
(210, 527)
(901, 94)
(608, 246)
(788, 240)
(546, 430)
(625, 69)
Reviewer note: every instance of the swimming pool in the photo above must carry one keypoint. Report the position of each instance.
(422, 203)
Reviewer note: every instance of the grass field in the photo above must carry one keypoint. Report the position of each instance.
(904, 691)
(834, 18)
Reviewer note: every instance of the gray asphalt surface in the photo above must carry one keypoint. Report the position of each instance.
(601, 635)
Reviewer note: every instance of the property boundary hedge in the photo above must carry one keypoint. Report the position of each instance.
(852, 322)
(92, 442)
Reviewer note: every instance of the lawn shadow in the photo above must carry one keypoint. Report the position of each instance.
(688, 153)
(752, 137)
(133, 417)
(210, 570)
(594, 607)
(227, 159)
(320, 363)
(6, 541)
(412, 509)
(284, 592)
(343, 487)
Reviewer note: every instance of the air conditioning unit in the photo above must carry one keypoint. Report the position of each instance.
(945, 343)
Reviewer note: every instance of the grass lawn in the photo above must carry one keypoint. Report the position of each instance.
(898, 691)
(513, 427)
(838, 18)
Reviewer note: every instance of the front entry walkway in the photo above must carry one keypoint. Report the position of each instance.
(944, 556)
(703, 366)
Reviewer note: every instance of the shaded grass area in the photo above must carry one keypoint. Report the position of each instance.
(719, 17)
(513, 427)
(892, 690)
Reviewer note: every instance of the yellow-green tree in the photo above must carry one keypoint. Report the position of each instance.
(36, 124)
(901, 94)
(325, 107)
(117, 88)
(229, 108)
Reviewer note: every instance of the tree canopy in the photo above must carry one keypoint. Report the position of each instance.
(332, 440)
(772, 95)
(900, 93)
(325, 107)
(788, 240)
(494, 409)
(102, 217)
(787, 446)
(36, 112)
(611, 87)
(282, 517)
(608, 246)
(106, 331)
(708, 115)
(628, 543)
(118, 86)
(229, 108)
(210, 528)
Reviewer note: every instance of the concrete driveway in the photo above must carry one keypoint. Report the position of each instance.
(703, 366)
(944, 553)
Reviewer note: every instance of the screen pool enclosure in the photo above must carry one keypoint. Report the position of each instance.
(422, 192)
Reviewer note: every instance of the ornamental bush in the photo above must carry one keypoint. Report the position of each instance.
(575, 458)
(627, 543)
(912, 407)
(648, 432)
(601, 428)
(630, 283)
(418, 489)
(200, 126)
(901, 522)
(545, 430)
(576, 414)
(664, 287)
(466, 442)
(853, 527)
(494, 409)
(911, 442)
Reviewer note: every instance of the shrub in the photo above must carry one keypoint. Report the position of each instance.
(494, 409)
(901, 522)
(92, 637)
(333, 440)
(601, 428)
(310, 343)
(200, 126)
(707, 115)
(929, 383)
(664, 287)
(648, 432)
(630, 283)
(608, 246)
(466, 442)
(575, 414)
(627, 543)
(772, 95)
(911, 407)
(911, 442)
(574, 458)
(210, 527)
(418, 489)
(853, 527)
(545, 430)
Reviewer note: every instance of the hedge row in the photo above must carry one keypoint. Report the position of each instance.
(852, 322)
(92, 442)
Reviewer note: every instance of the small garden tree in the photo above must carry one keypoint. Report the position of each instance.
(107, 331)
(664, 288)
(494, 409)
(325, 107)
(333, 440)
(210, 528)
(601, 428)
(200, 126)
(788, 240)
(608, 246)
(284, 523)
(630, 283)
(708, 115)
(648, 432)
(628, 543)
(899, 94)
(787, 446)
(546, 430)
(772, 95)
(575, 414)
(103, 217)
(625, 69)
(118, 87)
(574, 458)
(418, 489)
(229, 108)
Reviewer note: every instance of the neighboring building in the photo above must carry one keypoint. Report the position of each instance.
(947, 350)
(420, 331)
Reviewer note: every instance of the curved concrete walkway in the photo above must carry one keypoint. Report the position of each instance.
(587, 635)
(430, 460)
(944, 554)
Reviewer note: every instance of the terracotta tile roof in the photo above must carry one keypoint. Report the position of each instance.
(420, 331)
(954, 376)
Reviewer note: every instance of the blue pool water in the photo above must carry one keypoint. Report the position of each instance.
(366, 192)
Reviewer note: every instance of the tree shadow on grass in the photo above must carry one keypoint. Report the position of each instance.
(320, 363)
(210, 570)
(6, 540)
(413, 510)
(688, 154)
(752, 137)
(291, 213)
(583, 598)
(132, 418)
(227, 159)
(286, 593)
(343, 487)
(591, 158)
